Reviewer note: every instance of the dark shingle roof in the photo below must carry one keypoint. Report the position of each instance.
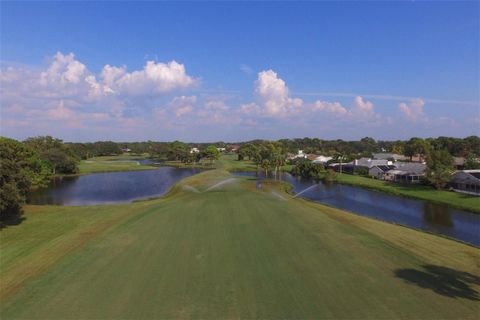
(386, 168)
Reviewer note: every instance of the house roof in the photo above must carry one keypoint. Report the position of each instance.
(466, 176)
(369, 163)
(411, 167)
(475, 173)
(386, 156)
(385, 168)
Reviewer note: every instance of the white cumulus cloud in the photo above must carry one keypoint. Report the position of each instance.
(274, 95)
(331, 107)
(413, 110)
(362, 107)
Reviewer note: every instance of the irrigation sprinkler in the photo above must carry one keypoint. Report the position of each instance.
(190, 188)
(221, 183)
(304, 190)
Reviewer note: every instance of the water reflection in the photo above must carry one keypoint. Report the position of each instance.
(419, 214)
(437, 215)
(110, 187)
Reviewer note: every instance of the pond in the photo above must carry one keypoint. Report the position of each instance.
(109, 187)
(424, 215)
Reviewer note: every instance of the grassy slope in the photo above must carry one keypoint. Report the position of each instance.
(107, 164)
(230, 253)
(454, 199)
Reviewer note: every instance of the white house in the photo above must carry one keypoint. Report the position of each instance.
(322, 159)
(194, 150)
(221, 149)
(300, 154)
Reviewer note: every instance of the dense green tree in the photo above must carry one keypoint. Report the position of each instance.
(177, 150)
(211, 153)
(20, 168)
(471, 162)
(439, 168)
(106, 148)
(60, 162)
(307, 169)
(416, 146)
(330, 175)
(59, 156)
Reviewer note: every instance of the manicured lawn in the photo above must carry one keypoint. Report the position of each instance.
(230, 162)
(232, 252)
(455, 199)
(113, 163)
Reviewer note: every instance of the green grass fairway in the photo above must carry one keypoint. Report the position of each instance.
(229, 253)
(108, 164)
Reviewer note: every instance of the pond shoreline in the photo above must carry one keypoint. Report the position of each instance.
(391, 189)
(417, 214)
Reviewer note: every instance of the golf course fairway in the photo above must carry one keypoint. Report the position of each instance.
(228, 253)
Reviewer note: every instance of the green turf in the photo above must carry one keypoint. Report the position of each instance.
(454, 199)
(113, 163)
(232, 252)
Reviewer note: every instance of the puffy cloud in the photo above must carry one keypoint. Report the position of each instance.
(67, 77)
(274, 95)
(63, 70)
(413, 110)
(362, 107)
(331, 107)
(66, 93)
(155, 78)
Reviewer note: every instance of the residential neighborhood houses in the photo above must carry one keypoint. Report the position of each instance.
(396, 168)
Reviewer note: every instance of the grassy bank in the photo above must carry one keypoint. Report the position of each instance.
(113, 163)
(230, 163)
(232, 252)
(197, 165)
(454, 199)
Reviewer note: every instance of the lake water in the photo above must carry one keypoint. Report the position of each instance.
(424, 215)
(109, 187)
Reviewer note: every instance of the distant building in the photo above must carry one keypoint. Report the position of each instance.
(466, 181)
(369, 163)
(459, 163)
(234, 148)
(406, 172)
(321, 159)
(300, 154)
(378, 172)
(221, 149)
(194, 150)
(389, 156)
(126, 149)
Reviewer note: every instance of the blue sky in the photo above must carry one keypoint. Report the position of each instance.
(237, 71)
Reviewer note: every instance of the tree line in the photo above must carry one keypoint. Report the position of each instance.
(33, 162)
